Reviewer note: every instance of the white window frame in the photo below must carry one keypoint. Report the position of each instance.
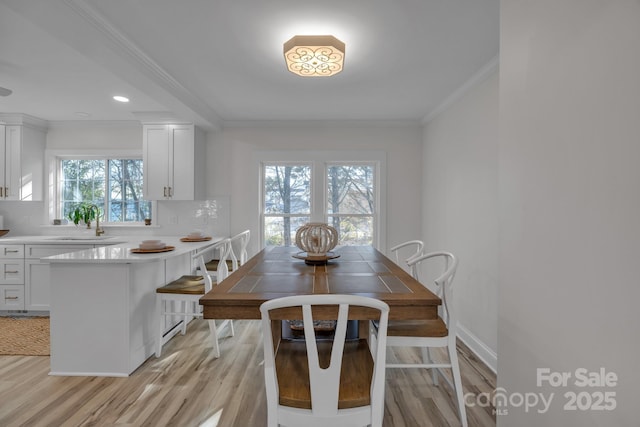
(319, 161)
(54, 157)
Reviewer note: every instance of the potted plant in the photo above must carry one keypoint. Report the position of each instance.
(84, 212)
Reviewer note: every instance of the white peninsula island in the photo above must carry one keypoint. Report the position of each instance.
(103, 306)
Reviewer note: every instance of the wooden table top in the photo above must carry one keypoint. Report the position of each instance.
(359, 270)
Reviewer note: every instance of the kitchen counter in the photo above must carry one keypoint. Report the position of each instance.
(120, 253)
(65, 240)
(104, 318)
(112, 249)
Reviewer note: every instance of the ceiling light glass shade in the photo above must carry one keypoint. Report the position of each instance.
(314, 56)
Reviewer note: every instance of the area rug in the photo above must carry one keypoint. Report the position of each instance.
(24, 336)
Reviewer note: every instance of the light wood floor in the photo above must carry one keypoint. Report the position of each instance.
(188, 387)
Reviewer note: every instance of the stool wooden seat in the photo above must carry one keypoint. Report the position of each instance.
(191, 285)
(212, 265)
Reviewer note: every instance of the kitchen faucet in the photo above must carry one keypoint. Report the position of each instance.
(99, 231)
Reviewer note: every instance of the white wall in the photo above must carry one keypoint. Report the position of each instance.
(95, 135)
(233, 171)
(569, 190)
(460, 214)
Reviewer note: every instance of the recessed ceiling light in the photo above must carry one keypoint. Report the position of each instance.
(82, 114)
(121, 98)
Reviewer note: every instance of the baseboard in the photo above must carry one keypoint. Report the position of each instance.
(24, 313)
(87, 374)
(479, 348)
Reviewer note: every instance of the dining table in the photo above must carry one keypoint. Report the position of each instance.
(279, 271)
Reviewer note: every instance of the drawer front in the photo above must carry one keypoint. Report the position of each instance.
(11, 297)
(11, 251)
(41, 251)
(12, 272)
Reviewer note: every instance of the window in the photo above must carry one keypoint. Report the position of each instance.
(343, 194)
(351, 202)
(112, 184)
(287, 202)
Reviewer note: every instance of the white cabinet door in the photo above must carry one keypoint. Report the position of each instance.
(37, 285)
(13, 159)
(3, 159)
(169, 162)
(156, 161)
(21, 162)
(182, 162)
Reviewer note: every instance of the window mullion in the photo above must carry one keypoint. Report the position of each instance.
(107, 186)
(318, 191)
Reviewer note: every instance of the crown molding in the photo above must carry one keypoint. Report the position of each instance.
(131, 52)
(475, 80)
(93, 124)
(230, 124)
(158, 117)
(23, 120)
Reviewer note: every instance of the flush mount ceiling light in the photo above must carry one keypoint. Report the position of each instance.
(121, 98)
(314, 56)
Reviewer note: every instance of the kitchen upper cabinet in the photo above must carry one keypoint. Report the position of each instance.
(21, 162)
(174, 161)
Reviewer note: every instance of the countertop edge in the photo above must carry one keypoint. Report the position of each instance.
(116, 251)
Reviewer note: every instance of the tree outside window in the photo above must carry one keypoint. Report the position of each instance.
(287, 202)
(349, 197)
(114, 185)
(351, 202)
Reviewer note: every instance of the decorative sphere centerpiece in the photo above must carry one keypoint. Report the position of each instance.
(316, 239)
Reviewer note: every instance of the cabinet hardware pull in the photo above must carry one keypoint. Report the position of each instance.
(1, 195)
(10, 297)
(165, 191)
(11, 251)
(12, 272)
(6, 191)
(170, 191)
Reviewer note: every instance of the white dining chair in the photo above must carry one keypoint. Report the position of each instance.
(416, 247)
(187, 291)
(317, 383)
(427, 334)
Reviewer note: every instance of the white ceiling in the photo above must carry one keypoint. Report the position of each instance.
(220, 61)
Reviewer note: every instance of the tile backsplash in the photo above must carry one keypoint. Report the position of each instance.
(174, 218)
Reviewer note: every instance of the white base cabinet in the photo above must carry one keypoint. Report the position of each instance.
(37, 284)
(11, 277)
(103, 315)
